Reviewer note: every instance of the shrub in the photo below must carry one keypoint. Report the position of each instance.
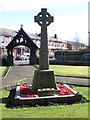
(4, 61)
(70, 55)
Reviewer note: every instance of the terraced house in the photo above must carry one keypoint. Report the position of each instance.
(54, 43)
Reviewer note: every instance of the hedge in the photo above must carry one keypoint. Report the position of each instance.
(70, 55)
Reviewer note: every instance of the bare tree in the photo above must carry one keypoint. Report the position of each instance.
(77, 41)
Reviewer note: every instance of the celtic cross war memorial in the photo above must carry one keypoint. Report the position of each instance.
(43, 78)
(43, 90)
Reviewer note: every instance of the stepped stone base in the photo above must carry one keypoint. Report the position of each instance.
(16, 99)
(43, 79)
(46, 92)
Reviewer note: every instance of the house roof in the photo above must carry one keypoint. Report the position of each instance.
(33, 36)
(7, 32)
(78, 43)
(12, 33)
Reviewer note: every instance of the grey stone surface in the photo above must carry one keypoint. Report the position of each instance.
(43, 19)
(18, 74)
(43, 79)
(46, 92)
(25, 74)
(73, 81)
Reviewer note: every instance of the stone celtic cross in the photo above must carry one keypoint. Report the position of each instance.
(44, 19)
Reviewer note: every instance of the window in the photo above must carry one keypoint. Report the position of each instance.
(10, 38)
(2, 39)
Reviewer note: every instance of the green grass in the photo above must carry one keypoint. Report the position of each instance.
(64, 70)
(74, 71)
(2, 70)
(60, 111)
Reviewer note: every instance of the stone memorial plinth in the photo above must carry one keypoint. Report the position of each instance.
(23, 95)
(43, 79)
(46, 92)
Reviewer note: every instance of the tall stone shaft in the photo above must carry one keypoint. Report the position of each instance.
(43, 19)
(43, 61)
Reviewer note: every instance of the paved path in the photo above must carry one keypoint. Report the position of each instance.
(18, 74)
(24, 74)
(74, 81)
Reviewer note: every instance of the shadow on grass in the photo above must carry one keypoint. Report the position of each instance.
(45, 119)
(3, 100)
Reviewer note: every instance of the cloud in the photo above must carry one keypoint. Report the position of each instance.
(17, 5)
(89, 17)
(66, 27)
(71, 2)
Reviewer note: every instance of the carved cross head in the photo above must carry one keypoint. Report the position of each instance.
(43, 18)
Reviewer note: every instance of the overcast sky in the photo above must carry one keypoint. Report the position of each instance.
(70, 17)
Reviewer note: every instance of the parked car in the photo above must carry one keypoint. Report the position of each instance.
(18, 57)
(24, 56)
(85, 57)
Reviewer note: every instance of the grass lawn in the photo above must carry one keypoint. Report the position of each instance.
(75, 71)
(2, 70)
(60, 111)
(64, 70)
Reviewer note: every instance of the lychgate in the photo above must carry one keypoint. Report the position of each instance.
(21, 39)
